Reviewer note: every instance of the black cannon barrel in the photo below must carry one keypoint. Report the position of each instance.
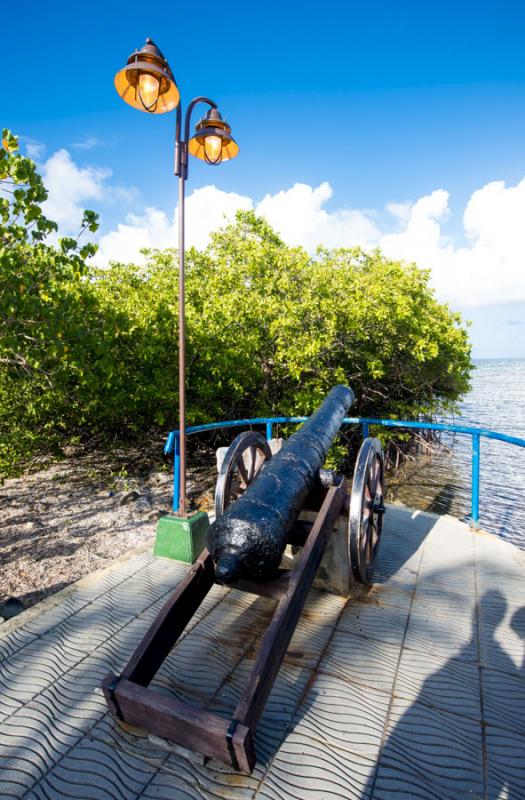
(248, 540)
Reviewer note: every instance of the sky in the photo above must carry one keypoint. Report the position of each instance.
(398, 125)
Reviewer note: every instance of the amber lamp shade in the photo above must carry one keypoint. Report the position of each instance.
(147, 82)
(213, 141)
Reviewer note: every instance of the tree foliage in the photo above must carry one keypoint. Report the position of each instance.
(45, 306)
(269, 330)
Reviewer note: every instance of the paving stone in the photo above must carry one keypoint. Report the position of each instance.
(93, 770)
(33, 668)
(309, 641)
(446, 600)
(449, 576)
(279, 713)
(430, 754)
(449, 559)
(504, 700)
(498, 562)
(442, 634)
(13, 642)
(304, 770)
(501, 642)
(111, 734)
(325, 605)
(389, 572)
(198, 664)
(385, 623)
(8, 706)
(238, 617)
(385, 594)
(344, 715)
(55, 615)
(361, 660)
(447, 683)
(505, 757)
(183, 778)
(410, 524)
(204, 659)
(402, 544)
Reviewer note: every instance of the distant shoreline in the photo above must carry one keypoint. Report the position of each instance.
(499, 358)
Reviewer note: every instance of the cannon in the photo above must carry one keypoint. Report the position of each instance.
(259, 501)
(249, 538)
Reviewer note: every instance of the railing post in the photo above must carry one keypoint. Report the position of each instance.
(269, 431)
(474, 515)
(364, 429)
(176, 472)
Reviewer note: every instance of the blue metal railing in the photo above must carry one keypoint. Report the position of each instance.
(172, 443)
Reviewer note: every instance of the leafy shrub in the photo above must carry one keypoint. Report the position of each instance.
(269, 330)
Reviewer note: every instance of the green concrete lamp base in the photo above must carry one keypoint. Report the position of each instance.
(181, 538)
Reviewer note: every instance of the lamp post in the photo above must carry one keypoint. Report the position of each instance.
(147, 83)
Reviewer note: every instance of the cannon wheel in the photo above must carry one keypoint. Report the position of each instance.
(242, 462)
(366, 510)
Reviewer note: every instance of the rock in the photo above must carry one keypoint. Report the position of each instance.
(129, 497)
(143, 505)
(11, 608)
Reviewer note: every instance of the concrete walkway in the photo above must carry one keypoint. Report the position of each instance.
(415, 689)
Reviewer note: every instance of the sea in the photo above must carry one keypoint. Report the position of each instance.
(441, 482)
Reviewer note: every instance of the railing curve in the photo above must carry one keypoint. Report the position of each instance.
(172, 443)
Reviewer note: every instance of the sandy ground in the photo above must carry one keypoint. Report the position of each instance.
(63, 522)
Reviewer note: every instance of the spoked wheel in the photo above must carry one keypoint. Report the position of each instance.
(367, 506)
(242, 463)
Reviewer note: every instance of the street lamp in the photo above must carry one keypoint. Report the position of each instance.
(147, 83)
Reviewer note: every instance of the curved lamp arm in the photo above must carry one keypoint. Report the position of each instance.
(181, 145)
(190, 108)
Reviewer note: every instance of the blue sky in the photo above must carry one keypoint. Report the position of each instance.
(386, 102)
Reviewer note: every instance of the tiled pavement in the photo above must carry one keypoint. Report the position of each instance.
(415, 689)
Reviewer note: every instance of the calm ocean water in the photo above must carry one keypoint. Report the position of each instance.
(441, 482)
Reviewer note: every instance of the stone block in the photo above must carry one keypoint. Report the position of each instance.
(181, 538)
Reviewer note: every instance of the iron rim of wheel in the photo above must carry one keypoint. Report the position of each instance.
(367, 507)
(242, 462)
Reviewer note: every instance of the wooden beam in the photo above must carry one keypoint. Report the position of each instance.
(171, 621)
(230, 741)
(281, 628)
(189, 727)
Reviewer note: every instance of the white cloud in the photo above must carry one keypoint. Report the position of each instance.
(206, 210)
(152, 230)
(421, 233)
(298, 215)
(35, 150)
(490, 268)
(401, 211)
(88, 143)
(71, 187)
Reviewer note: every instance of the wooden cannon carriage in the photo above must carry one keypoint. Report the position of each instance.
(258, 500)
